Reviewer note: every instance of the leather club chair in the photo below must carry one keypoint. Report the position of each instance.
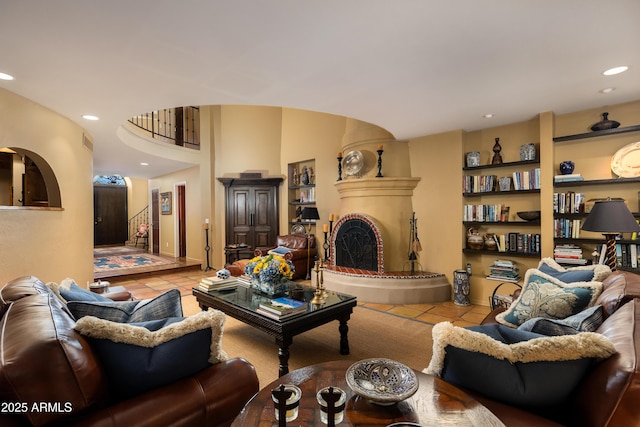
(297, 243)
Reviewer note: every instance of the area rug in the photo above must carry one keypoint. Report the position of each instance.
(371, 334)
(120, 262)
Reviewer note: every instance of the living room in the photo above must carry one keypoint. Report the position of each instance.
(265, 136)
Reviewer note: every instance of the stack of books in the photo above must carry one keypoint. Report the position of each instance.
(504, 270)
(214, 283)
(568, 178)
(569, 254)
(281, 308)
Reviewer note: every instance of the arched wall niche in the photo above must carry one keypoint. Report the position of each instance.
(54, 199)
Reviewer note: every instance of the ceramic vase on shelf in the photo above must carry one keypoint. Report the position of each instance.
(527, 152)
(473, 159)
(567, 167)
(490, 242)
(497, 157)
(474, 239)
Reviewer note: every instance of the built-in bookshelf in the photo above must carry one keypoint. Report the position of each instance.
(301, 191)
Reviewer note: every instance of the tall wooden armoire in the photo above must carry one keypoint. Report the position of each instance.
(251, 212)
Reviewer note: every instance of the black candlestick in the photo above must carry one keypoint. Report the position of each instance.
(379, 163)
(207, 248)
(325, 246)
(340, 168)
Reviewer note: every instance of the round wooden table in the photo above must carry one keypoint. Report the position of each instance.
(436, 403)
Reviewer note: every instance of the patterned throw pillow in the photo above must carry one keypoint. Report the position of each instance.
(142, 356)
(586, 321)
(167, 304)
(545, 296)
(583, 273)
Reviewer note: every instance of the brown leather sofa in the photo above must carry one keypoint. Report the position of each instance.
(610, 394)
(298, 254)
(50, 375)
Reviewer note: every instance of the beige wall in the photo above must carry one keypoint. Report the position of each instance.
(49, 244)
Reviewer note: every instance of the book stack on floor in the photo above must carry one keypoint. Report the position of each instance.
(282, 308)
(569, 254)
(504, 270)
(215, 283)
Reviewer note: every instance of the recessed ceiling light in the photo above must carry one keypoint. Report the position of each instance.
(607, 90)
(615, 70)
(4, 76)
(488, 116)
(144, 164)
(90, 117)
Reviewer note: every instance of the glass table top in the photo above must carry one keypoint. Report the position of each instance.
(250, 299)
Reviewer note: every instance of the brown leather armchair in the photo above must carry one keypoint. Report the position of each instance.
(298, 254)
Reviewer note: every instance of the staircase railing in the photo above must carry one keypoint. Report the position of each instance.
(179, 126)
(135, 221)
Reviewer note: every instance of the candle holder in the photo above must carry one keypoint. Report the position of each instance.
(320, 295)
(339, 168)
(325, 246)
(207, 248)
(379, 175)
(286, 399)
(332, 405)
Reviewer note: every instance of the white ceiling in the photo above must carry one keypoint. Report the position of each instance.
(413, 67)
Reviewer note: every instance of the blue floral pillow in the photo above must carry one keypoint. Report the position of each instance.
(588, 320)
(545, 296)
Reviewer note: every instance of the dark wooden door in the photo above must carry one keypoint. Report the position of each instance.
(251, 214)
(110, 215)
(182, 220)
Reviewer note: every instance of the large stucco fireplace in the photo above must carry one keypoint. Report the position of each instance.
(370, 239)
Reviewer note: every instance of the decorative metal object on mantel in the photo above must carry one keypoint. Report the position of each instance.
(309, 214)
(339, 166)
(497, 157)
(414, 243)
(379, 151)
(353, 163)
(605, 123)
(610, 217)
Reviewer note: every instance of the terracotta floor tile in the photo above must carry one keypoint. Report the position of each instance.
(473, 317)
(381, 307)
(405, 312)
(449, 311)
(433, 318)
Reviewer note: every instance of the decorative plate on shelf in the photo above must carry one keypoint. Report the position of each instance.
(626, 162)
(298, 229)
(353, 163)
(383, 381)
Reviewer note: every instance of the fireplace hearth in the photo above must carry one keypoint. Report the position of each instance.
(355, 243)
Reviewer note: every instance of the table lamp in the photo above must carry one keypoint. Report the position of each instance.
(309, 214)
(610, 217)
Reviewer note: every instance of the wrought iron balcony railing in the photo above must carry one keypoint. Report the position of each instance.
(179, 126)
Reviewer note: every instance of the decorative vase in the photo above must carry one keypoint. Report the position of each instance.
(273, 289)
(473, 159)
(474, 240)
(305, 176)
(497, 157)
(461, 287)
(605, 123)
(490, 242)
(504, 183)
(567, 167)
(527, 152)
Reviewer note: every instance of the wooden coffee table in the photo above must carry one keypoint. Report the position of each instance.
(242, 302)
(436, 403)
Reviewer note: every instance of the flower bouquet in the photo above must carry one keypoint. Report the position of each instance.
(270, 274)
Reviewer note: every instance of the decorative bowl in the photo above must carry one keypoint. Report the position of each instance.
(529, 215)
(382, 381)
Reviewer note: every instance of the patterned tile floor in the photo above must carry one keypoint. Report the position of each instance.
(151, 283)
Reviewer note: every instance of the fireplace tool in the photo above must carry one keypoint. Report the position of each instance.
(414, 243)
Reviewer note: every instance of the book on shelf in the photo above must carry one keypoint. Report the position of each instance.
(568, 177)
(283, 306)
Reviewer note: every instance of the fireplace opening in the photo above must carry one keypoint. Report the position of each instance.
(357, 243)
